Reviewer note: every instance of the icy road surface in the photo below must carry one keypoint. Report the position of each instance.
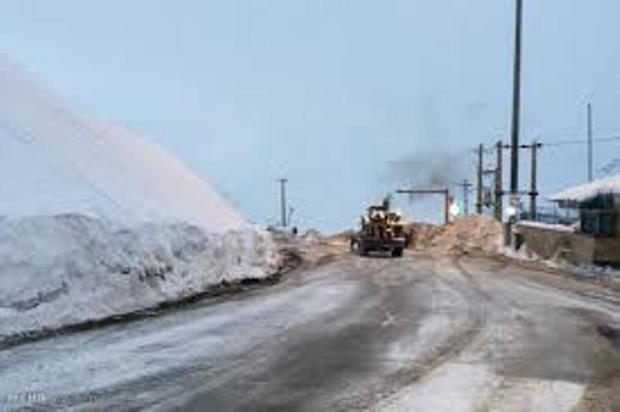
(421, 333)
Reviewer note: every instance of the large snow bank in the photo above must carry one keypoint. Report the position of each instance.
(583, 192)
(68, 269)
(95, 221)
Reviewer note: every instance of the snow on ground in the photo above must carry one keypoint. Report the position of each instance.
(95, 221)
(547, 226)
(585, 271)
(447, 389)
(444, 318)
(178, 341)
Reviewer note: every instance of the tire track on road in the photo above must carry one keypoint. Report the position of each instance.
(598, 392)
(443, 352)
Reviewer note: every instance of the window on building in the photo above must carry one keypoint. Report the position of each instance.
(599, 216)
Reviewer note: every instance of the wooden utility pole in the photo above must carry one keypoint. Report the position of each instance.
(590, 145)
(283, 201)
(479, 181)
(499, 189)
(447, 202)
(516, 102)
(534, 179)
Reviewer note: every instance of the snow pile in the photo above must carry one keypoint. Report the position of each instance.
(422, 235)
(68, 269)
(586, 191)
(97, 222)
(473, 232)
(604, 274)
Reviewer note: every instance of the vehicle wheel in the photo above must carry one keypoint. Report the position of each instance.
(398, 252)
(361, 249)
(355, 246)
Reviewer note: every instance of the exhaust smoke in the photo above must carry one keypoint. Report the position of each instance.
(428, 170)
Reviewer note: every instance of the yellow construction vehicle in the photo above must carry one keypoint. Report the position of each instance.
(381, 231)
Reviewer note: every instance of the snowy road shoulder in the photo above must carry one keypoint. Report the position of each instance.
(115, 356)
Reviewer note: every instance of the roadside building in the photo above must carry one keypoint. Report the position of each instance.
(594, 236)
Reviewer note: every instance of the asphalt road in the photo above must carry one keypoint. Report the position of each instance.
(347, 333)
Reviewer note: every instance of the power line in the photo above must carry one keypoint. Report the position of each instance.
(491, 148)
(582, 141)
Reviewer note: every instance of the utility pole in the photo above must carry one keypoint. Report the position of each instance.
(479, 181)
(446, 209)
(533, 179)
(499, 189)
(590, 145)
(465, 185)
(283, 201)
(516, 102)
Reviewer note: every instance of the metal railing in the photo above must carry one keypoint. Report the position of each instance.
(551, 215)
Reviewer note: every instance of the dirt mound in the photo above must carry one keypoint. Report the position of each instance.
(467, 234)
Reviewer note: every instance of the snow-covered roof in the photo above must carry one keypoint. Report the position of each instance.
(586, 191)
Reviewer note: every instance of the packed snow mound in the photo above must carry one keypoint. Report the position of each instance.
(56, 161)
(470, 233)
(62, 270)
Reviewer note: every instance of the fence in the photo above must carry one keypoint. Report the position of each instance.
(551, 215)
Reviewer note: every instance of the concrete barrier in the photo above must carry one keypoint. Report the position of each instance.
(556, 241)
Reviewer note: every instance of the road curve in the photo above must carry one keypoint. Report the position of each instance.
(419, 333)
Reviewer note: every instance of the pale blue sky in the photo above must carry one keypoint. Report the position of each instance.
(326, 92)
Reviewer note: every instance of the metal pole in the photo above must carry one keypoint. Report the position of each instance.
(479, 180)
(447, 207)
(590, 145)
(283, 201)
(466, 186)
(533, 179)
(445, 192)
(499, 190)
(516, 102)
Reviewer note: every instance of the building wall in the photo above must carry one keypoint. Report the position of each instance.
(599, 216)
(618, 219)
(549, 243)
